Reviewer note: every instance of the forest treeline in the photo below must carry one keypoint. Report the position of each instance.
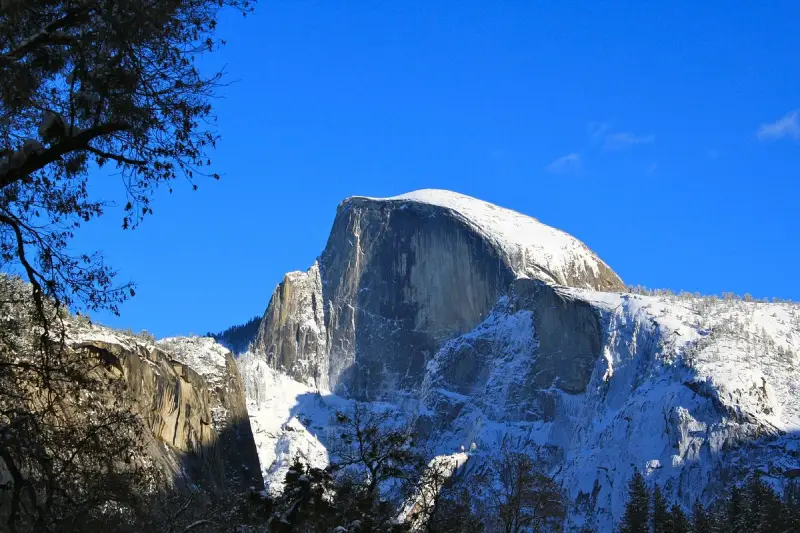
(752, 507)
(238, 338)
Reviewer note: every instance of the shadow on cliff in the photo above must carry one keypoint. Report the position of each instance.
(215, 489)
(219, 484)
(230, 464)
(316, 414)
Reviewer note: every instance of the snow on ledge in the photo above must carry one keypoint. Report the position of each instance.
(204, 355)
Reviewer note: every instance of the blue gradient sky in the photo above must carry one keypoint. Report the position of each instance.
(660, 135)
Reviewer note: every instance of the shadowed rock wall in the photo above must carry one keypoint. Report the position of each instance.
(192, 427)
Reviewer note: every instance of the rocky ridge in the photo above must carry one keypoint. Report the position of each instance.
(494, 328)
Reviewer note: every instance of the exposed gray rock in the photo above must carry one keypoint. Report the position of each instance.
(399, 277)
(568, 332)
(536, 344)
(292, 333)
(190, 397)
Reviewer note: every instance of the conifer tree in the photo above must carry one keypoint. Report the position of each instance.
(765, 509)
(660, 518)
(736, 511)
(755, 507)
(791, 507)
(637, 510)
(702, 521)
(304, 504)
(677, 521)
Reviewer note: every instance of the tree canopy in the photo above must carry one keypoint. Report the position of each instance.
(90, 83)
(86, 84)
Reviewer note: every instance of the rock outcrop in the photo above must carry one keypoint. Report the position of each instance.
(400, 276)
(494, 329)
(534, 346)
(190, 397)
(292, 333)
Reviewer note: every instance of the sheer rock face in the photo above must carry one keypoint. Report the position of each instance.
(292, 333)
(494, 330)
(399, 277)
(399, 281)
(535, 345)
(191, 400)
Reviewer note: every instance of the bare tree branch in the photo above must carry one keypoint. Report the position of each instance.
(116, 157)
(35, 162)
(49, 35)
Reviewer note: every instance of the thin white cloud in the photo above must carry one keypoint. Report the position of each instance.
(603, 134)
(568, 164)
(713, 153)
(651, 168)
(623, 140)
(786, 126)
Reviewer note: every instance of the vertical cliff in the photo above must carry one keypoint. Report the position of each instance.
(400, 276)
(292, 335)
(190, 397)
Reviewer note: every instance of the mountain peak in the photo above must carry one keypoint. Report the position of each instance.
(531, 248)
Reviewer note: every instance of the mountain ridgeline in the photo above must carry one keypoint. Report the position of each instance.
(492, 328)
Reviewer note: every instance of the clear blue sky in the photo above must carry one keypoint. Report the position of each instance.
(660, 135)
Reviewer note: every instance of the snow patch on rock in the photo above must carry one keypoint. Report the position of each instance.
(204, 355)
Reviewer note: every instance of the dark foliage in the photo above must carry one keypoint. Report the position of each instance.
(753, 507)
(376, 453)
(677, 521)
(522, 496)
(660, 514)
(378, 444)
(637, 512)
(702, 522)
(85, 84)
(238, 338)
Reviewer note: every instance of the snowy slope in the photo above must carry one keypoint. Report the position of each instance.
(685, 389)
(489, 345)
(204, 355)
(81, 330)
(287, 419)
(688, 390)
(534, 249)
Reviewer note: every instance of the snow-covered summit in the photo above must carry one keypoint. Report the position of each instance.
(533, 249)
(204, 355)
